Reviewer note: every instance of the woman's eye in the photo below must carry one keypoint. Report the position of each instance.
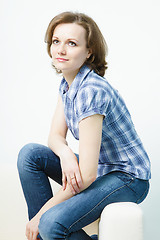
(55, 41)
(72, 44)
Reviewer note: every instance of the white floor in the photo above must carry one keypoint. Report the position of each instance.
(13, 211)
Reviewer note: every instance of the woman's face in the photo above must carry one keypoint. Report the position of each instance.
(68, 49)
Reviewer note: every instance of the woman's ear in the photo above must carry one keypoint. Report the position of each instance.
(89, 53)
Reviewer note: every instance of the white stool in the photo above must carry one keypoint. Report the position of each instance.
(121, 221)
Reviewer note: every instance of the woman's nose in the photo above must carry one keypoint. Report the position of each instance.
(61, 49)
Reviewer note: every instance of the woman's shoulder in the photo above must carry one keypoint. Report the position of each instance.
(95, 83)
(94, 90)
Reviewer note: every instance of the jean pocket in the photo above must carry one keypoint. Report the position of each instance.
(141, 187)
(145, 192)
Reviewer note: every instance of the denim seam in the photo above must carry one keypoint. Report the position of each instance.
(130, 187)
(64, 231)
(96, 206)
(135, 192)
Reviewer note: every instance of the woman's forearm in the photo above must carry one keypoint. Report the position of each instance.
(63, 195)
(59, 197)
(57, 144)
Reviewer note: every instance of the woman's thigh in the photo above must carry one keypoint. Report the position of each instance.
(87, 206)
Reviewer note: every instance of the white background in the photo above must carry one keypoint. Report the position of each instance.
(28, 86)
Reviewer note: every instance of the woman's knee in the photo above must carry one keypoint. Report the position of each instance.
(50, 227)
(25, 155)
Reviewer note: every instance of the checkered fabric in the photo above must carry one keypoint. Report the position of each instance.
(121, 148)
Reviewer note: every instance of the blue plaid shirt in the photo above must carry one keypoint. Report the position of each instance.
(121, 148)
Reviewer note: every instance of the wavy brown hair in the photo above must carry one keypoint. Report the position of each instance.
(94, 38)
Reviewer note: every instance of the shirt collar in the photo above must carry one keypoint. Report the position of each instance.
(71, 92)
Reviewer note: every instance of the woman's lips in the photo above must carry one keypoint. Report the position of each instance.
(62, 59)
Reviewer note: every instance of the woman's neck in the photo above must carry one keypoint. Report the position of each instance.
(70, 76)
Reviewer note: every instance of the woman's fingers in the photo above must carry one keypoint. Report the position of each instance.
(73, 178)
(31, 233)
(75, 182)
(75, 185)
(35, 235)
(27, 232)
(69, 181)
(79, 180)
(29, 236)
(64, 181)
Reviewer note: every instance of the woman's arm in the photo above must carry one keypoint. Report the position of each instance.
(58, 131)
(90, 132)
(58, 144)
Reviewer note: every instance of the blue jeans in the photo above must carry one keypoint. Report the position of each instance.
(65, 221)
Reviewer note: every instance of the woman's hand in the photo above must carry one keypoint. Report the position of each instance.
(32, 228)
(70, 171)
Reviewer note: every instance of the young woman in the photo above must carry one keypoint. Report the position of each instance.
(112, 165)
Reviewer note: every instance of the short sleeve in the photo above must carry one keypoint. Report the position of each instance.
(90, 101)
